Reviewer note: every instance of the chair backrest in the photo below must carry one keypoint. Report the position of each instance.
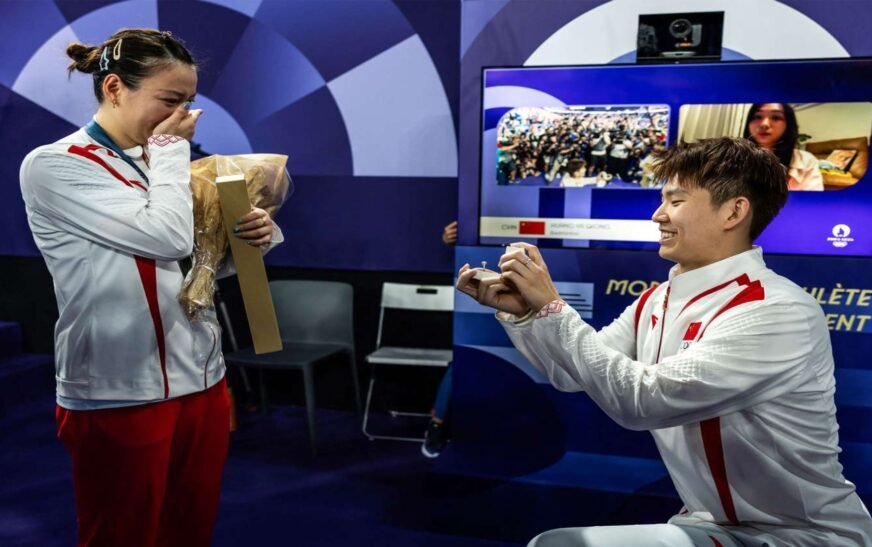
(411, 297)
(314, 311)
(417, 297)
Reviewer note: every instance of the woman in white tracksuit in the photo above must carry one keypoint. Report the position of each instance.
(728, 364)
(142, 405)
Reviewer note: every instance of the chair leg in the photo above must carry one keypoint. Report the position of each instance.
(356, 382)
(368, 401)
(372, 436)
(309, 387)
(245, 383)
(263, 400)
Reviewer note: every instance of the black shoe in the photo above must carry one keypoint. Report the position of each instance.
(435, 440)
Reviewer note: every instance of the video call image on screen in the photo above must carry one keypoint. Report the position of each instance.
(567, 152)
(579, 145)
(831, 148)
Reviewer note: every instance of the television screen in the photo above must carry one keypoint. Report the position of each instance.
(566, 152)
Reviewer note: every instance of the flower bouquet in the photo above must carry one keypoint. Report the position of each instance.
(268, 185)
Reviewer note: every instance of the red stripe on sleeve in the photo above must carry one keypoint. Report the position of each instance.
(148, 275)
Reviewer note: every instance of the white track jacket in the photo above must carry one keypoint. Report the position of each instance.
(111, 243)
(730, 368)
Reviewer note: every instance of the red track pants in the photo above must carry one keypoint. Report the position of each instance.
(148, 475)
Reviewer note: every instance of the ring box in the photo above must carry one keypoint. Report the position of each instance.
(483, 274)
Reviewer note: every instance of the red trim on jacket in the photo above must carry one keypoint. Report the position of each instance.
(87, 152)
(642, 301)
(753, 292)
(741, 280)
(711, 428)
(148, 275)
(714, 454)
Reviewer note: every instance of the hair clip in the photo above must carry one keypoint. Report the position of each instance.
(116, 51)
(104, 60)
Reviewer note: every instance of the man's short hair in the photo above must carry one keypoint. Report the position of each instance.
(574, 165)
(729, 168)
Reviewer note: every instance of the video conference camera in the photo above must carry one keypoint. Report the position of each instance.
(680, 37)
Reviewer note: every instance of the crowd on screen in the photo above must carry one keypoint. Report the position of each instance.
(537, 142)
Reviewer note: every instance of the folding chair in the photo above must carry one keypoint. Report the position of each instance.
(400, 296)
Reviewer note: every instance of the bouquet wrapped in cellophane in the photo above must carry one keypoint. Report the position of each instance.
(268, 185)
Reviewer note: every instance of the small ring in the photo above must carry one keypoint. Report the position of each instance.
(262, 222)
(526, 261)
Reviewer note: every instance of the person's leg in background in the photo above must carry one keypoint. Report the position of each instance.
(436, 436)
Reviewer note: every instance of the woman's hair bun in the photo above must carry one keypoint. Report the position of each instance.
(85, 58)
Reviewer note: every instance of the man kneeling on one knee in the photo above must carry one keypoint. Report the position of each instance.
(728, 364)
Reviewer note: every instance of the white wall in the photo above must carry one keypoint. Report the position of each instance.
(827, 121)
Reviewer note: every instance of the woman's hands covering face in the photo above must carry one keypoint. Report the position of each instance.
(182, 123)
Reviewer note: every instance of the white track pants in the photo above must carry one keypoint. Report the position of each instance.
(641, 535)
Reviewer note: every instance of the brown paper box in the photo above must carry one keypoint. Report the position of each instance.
(250, 269)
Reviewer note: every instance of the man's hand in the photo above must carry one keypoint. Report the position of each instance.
(528, 275)
(491, 292)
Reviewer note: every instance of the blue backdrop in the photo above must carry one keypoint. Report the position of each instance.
(361, 95)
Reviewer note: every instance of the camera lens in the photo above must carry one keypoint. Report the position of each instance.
(680, 28)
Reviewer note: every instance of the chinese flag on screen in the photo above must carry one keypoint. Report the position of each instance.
(532, 227)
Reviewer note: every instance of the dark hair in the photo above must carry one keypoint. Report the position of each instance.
(784, 147)
(574, 165)
(728, 168)
(132, 54)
